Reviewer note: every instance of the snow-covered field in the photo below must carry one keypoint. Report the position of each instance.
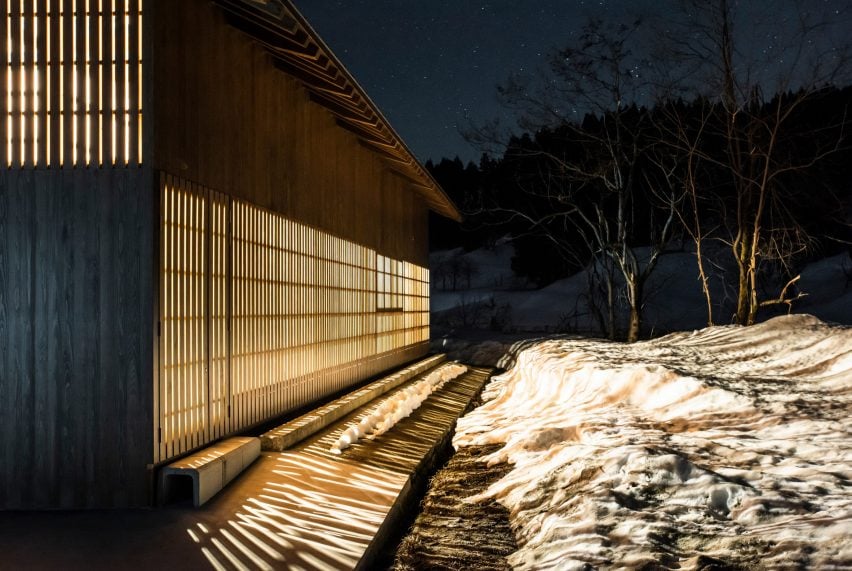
(727, 446)
(674, 300)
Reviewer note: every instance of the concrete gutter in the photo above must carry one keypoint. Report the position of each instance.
(454, 400)
(291, 433)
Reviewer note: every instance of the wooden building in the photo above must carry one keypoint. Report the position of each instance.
(204, 223)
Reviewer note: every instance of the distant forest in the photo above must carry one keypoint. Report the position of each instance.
(568, 202)
(744, 154)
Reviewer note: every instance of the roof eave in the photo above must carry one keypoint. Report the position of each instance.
(300, 52)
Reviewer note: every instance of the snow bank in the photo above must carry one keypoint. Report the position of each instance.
(727, 444)
(389, 411)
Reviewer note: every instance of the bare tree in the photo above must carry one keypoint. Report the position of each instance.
(711, 44)
(590, 177)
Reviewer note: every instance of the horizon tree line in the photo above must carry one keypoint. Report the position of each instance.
(719, 156)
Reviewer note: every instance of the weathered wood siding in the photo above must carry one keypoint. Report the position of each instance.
(76, 337)
(227, 119)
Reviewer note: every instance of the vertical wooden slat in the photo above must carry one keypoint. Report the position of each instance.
(229, 310)
(28, 74)
(245, 320)
(238, 302)
(93, 137)
(160, 277)
(106, 81)
(191, 339)
(180, 307)
(167, 326)
(208, 281)
(175, 373)
(186, 291)
(201, 345)
(186, 410)
(140, 97)
(197, 301)
(233, 307)
(79, 78)
(188, 306)
(164, 428)
(67, 104)
(53, 94)
(133, 80)
(42, 123)
(254, 333)
(119, 56)
(4, 75)
(182, 303)
(15, 108)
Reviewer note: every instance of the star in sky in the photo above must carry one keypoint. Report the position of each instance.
(432, 66)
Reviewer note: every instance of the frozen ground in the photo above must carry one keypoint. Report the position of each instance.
(722, 448)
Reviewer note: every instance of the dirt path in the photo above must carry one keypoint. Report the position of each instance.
(452, 534)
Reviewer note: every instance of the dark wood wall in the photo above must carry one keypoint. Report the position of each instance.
(226, 118)
(75, 332)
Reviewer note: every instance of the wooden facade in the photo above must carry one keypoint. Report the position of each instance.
(204, 224)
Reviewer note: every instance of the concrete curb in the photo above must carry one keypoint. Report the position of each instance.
(415, 487)
(293, 432)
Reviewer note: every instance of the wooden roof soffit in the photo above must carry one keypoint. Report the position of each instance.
(298, 51)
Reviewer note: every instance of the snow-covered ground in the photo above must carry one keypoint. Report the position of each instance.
(726, 446)
(390, 410)
(674, 299)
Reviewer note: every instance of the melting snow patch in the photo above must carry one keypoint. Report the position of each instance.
(391, 410)
(727, 445)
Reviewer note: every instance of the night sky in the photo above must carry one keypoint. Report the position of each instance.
(433, 65)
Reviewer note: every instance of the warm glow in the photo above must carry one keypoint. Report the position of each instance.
(113, 93)
(36, 90)
(9, 134)
(275, 315)
(48, 109)
(22, 88)
(309, 501)
(75, 127)
(139, 87)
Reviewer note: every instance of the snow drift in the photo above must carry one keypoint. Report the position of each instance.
(385, 415)
(727, 446)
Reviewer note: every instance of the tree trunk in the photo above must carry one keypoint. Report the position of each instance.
(610, 302)
(741, 251)
(634, 296)
(705, 282)
(743, 298)
(635, 325)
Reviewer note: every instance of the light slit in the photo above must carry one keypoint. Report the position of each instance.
(139, 87)
(8, 63)
(22, 85)
(126, 64)
(88, 87)
(36, 89)
(61, 111)
(113, 89)
(100, 65)
(48, 16)
(74, 83)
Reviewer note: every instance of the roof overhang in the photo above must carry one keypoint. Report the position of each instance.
(299, 51)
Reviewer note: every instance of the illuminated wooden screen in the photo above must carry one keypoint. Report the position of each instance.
(402, 297)
(260, 315)
(72, 80)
